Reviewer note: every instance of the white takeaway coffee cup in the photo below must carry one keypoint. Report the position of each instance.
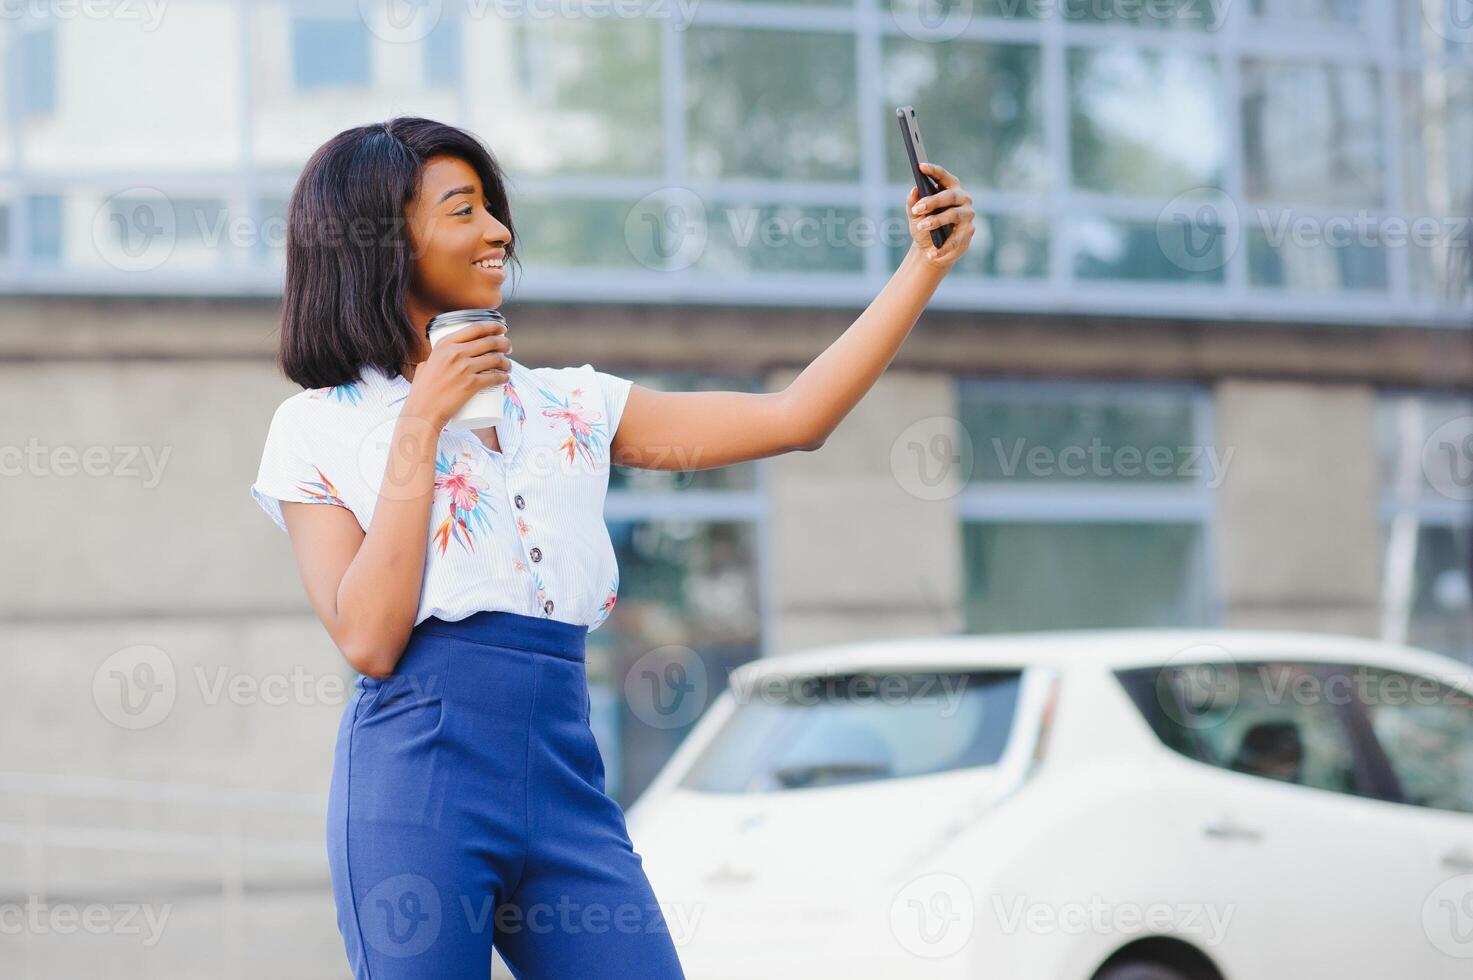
(484, 407)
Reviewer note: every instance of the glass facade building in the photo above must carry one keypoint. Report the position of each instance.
(1279, 159)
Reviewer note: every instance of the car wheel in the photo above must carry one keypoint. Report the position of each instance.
(1140, 971)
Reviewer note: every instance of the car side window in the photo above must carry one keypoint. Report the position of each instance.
(1268, 719)
(1425, 728)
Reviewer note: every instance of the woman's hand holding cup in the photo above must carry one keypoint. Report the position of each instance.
(472, 358)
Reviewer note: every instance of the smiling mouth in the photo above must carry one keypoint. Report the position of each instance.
(492, 268)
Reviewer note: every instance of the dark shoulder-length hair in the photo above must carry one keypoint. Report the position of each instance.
(348, 251)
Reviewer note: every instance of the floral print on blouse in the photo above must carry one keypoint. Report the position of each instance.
(520, 530)
(465, 496)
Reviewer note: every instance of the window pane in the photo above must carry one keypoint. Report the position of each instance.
(570, 97)
(272, 240)
(935, 19)
(329, 52)
(8, 42)
(571, 232)
(806, 732)
(1201, 15)
(1246, 723)
(44, 213)
(1441, 268)
(35, 52)
(104, 92)
(1089, 436)
(1145, 251)
(1435, 27)
(1006, 246)
(441, 52)
(318, 72)
(1410, 456)
(688, 603)
(1027, 576)
(1441, 613)
(782, 238)
(1437, 107)
(1310, 13)
(1144, 122)
(1323, 260)
(995, 141)
(140, 231)
(771, 104)
(1312, 134)
(1426, 729)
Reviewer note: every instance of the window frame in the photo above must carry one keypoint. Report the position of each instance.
(1408, 514)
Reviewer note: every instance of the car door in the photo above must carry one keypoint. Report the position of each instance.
(1314, 871)
(1424, 728)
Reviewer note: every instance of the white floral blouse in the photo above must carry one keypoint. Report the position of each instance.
(520, 530)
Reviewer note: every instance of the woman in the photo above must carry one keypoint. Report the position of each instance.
(460, 570)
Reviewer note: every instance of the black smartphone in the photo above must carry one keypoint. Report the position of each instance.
(910, 135)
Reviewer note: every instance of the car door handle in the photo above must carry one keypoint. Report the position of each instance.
(1227, 829)
(1458, 860)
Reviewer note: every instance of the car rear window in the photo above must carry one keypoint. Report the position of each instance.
(1263, 719)
(805, 732)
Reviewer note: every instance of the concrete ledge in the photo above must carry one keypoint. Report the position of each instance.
(755, 339)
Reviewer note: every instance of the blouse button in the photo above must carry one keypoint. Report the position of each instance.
(520, 502)
(536, 554)
(547, 606)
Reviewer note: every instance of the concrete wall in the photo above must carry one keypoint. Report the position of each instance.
(857, 554)
(1301, 538)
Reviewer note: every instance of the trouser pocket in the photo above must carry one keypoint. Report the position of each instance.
(397, 762)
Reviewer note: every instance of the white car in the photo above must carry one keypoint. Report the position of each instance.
(1130, 805)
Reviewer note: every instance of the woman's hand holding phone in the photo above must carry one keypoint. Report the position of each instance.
(957, 212)
(472, 358)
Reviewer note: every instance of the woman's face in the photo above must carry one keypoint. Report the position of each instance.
(459, 245)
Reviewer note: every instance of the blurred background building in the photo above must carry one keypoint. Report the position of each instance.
(1206, 364)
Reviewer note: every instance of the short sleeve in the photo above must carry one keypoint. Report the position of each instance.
(615, 393)
(290, 471)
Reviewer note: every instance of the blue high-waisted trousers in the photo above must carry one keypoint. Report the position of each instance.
(468, 808)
